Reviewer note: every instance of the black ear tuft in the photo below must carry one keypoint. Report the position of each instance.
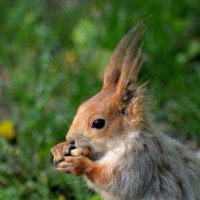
(127, 96)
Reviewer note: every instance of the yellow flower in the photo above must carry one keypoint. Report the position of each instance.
(61, 197)
(7, 130)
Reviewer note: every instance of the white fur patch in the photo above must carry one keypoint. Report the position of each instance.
(115, 154)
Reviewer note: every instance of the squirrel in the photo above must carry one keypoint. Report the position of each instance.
(127, 158)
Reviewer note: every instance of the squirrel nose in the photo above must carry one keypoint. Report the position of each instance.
(71, 141)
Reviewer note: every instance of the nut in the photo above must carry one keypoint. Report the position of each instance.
(80, 151)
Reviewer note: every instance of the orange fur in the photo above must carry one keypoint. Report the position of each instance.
(99, 175)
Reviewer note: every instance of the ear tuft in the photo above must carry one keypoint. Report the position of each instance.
(126, 60)
(127, 96)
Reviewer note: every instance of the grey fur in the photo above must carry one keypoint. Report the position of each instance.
(154, 167)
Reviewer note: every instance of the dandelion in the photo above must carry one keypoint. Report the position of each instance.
(61, 197)
(7, 130)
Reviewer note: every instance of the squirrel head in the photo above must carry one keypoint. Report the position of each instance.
(120, 106)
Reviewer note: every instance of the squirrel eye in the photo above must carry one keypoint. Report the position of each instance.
(98, 123)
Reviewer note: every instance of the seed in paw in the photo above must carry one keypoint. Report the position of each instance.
(80, 151)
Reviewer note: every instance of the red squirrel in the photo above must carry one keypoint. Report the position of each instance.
(120, 152)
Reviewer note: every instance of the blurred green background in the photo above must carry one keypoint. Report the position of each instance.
(52, 57)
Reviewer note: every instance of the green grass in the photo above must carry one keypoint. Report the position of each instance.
(52, 57)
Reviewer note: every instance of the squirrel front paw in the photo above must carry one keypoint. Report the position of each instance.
(75, 165)
(64, 149)
(58, 152)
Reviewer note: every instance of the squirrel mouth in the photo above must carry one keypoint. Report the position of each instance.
(77, 151)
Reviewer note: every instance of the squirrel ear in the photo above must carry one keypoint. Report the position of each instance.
(126, 87)
(131, 99)
(125, 61)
